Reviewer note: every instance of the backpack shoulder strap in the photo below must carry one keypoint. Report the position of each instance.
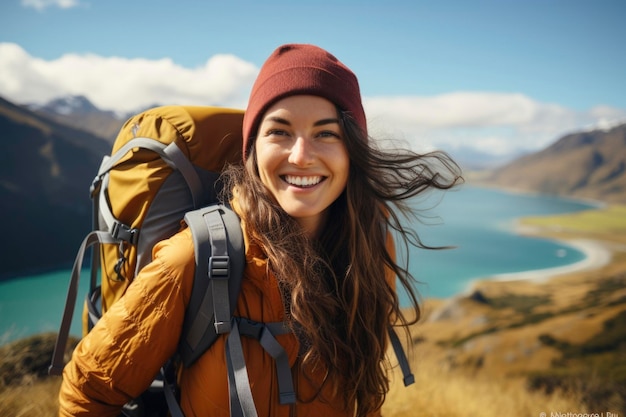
(220, 261)
(93, 238)
(403, 361)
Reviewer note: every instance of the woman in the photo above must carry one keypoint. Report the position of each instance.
(318, 203)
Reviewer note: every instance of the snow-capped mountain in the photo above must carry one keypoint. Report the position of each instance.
(80, 113)
(68, 105)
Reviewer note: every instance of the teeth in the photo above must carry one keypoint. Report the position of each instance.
(303, 181)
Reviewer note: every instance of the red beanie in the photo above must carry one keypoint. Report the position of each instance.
(301, 69)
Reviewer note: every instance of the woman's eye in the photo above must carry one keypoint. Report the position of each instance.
(329, 134)
(276, 132)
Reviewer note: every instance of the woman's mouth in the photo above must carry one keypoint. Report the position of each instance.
(302, 181)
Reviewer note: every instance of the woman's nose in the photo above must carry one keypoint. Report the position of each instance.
(301, 152)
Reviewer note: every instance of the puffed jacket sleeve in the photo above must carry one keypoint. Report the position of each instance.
(122, 354)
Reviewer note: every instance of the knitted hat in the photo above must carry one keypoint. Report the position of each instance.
(301, 69)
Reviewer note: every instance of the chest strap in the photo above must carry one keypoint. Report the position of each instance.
(241, 401)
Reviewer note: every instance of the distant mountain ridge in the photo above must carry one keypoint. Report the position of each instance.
(46, 169)
(588, 164)
(80, 113)
(68, 105)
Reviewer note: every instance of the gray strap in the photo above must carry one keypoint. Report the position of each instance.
(93, 238)
(283, 370)
(170, 397)
(203, 317)
(277, 327)
(241, 401)
(171, 154)
(184, 165)
(199, 330)
(105, 210)
(209, 227)
(117, 229)
(263, 333)
(408, 377)
(219, 270)
(145, 143)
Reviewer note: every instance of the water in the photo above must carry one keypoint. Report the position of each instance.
(35, 304)
(478, 221)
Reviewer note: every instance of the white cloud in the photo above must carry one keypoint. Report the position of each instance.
(495, 123)
(122, 84)
(43, 4)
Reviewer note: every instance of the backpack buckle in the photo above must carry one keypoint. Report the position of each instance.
(250, 328)
(219, 267)
(126, 233)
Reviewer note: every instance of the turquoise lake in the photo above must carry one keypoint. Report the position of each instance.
(478, 222)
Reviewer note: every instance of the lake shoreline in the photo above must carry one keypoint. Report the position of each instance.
(596, 255)
(603, 248)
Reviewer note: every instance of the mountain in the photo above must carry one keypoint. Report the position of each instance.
(46, 169)
(68, 105)
(80, 113)
(589, 164)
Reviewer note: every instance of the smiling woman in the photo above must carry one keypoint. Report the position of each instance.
(319, 204)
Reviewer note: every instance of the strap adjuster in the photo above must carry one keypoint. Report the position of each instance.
(219, 267)
(222, 327)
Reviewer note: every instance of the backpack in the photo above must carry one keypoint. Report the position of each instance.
(164, 171)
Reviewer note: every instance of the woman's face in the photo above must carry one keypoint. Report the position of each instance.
(302, 158)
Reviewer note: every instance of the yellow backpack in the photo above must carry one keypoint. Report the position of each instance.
(165, 162)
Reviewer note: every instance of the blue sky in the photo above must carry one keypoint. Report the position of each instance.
(495, 76)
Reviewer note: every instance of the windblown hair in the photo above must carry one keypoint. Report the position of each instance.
(337, 290)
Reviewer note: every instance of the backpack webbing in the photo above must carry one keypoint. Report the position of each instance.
(220, 260)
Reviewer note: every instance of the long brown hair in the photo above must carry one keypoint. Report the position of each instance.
(336, 296)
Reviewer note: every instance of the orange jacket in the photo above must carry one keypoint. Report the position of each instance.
(120, 357)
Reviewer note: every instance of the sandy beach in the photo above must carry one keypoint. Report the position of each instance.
(597, 255)
(598, 233)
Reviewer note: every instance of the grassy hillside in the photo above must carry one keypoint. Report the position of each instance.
(588, 164)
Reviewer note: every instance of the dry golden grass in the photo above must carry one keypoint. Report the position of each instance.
(437, 392)
(440, 392)
(38, 399)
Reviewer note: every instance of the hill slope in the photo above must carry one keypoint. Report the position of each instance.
(585, 164)
(46, 169)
